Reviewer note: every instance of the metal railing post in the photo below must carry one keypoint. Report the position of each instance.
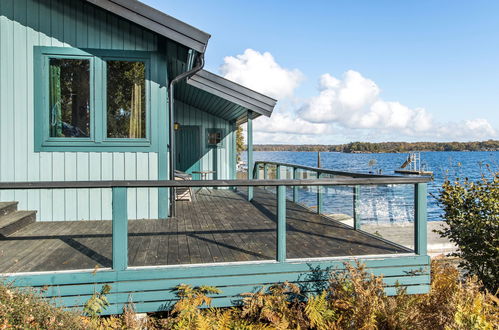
(319, 196)
(420, 219)
(120, 228)
(295, 188)
(356, 206)
(281, 223)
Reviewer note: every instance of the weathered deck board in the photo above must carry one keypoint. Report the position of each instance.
(217, 226)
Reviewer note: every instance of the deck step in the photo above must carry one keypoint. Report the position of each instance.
(7, 207)
(16, 220)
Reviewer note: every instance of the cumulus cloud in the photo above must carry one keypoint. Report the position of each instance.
(350, 106)
(354, 102)
(289, 123)
(474, 129)
(260, 72)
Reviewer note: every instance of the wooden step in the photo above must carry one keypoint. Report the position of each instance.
(7, 207)
(16, 220)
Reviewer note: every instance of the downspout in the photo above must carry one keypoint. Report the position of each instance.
(187, 74)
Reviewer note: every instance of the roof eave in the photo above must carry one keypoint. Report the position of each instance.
(258, 103)
(156, 21)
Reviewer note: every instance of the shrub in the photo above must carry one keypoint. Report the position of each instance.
(354, 299)
(24, 309)
(471, 214)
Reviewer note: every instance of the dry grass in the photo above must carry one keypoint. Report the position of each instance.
(353, 300)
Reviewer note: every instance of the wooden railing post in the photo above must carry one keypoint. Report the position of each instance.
(281, 223)
(256, 173)
(278, 172)
(295, 188)
(356, 206)
(250, 153)
(420, 219)
(319, 196)
(120, 228)
(265, 171)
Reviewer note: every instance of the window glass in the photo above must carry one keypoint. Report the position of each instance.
(69, 97)
(126, 108)
(214, 138)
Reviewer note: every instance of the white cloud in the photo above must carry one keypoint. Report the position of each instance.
(474, 129)
(349, 107)
(353, 102)
(262, 73)
(287, 122)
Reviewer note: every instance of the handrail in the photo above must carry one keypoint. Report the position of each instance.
(321, 170)
(211, 183)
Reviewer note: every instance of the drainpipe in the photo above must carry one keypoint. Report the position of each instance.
(187, 74)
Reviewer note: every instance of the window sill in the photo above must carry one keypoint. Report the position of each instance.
(108, 146)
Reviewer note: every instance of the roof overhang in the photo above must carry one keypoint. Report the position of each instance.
(156, 21)
(255, 102)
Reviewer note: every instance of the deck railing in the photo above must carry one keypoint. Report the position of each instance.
(270, 168)
(120, 216)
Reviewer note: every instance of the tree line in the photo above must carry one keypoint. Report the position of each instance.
(382, 147)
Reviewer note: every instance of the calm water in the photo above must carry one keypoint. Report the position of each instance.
(389, 203)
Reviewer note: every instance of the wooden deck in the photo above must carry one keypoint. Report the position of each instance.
(218, 226)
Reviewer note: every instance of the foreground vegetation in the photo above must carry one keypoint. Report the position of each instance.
(382, 147)
(471, 215)
(352, 300)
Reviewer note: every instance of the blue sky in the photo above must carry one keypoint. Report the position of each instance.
(438, 60)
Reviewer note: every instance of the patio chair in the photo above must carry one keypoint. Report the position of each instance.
(183, 193)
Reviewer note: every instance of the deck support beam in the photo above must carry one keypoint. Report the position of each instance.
(320, 196)
(250, 154)
(420, 218)
(120, 228)
(356, 207)
(233, 152)
(281, 223)
(295, 188)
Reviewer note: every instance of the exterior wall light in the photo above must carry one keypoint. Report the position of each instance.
(176, 126)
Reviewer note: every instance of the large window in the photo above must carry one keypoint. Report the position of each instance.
(126, 96)
(69, 97)
(87, 99)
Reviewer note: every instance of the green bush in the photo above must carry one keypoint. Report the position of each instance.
(471, 214)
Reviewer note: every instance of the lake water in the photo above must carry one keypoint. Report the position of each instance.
(388, 203)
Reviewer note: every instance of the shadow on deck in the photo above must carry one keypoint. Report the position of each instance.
(218, 226)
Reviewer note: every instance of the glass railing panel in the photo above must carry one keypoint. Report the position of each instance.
(387, 211)
(337, 203)
(334, 232)
(210, 226)
(307, 195)
(55, 230)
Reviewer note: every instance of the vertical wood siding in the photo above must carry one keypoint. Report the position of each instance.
(212, 159)
(64, 23)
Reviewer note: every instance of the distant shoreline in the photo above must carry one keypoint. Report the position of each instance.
(385, 147)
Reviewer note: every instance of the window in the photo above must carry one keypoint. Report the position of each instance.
(69, 95)
(91, 100)
(214, 137)
(126, 111)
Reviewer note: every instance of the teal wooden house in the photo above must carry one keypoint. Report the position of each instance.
(118, 166)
